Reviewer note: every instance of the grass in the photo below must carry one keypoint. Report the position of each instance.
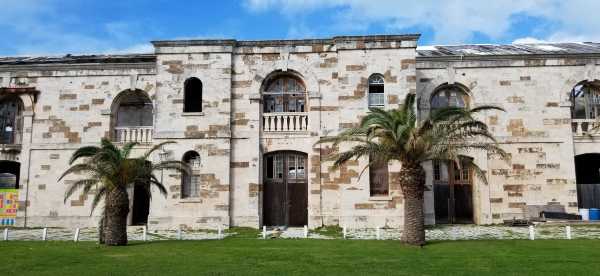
(243, 256)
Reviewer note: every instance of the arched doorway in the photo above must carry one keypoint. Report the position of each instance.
(285, 189)
(453, 192)
(587, 172)
(140, 201)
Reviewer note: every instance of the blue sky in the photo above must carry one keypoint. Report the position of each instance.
(52, 27)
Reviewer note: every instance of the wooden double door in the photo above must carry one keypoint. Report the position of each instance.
(453, 193)
(285, 196)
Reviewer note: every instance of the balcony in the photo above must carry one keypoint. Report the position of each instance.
(584, 127)
(285, 122)
(139, 134)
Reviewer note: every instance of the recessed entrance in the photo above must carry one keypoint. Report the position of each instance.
(141, 205)
(587, 171)
(453, 193)
(285, 189)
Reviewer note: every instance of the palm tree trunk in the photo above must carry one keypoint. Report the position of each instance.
(412, 177)
(117, 208)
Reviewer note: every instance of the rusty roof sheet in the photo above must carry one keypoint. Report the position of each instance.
(508, 50)
(78, 59)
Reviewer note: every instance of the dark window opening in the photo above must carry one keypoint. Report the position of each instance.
(378, 178)
(9, 174)
(449, 96)
(376, 91)
(11, 121)
(192, 98)
(135, 109)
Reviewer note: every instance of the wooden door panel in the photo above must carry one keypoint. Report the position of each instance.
(274, 209)
(298, 204)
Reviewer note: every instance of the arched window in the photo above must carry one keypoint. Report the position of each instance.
(585, 98)
(449, 96)
(378, 177)
(284, 94)
(190, 183)
(11, 120)
(9, 174)
(376, 91)
(192, 95)
(132, 117)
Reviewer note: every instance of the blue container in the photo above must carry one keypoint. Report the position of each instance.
(594, 214)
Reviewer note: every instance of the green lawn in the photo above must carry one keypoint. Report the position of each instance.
(315, 257)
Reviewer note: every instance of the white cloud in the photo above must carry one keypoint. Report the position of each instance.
(453, 21)
(39, 27)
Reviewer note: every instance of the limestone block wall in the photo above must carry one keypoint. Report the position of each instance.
(335, 73)
(535, 129)
(207, 132)
(72, 109)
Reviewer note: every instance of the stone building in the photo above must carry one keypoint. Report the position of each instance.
(246, 116)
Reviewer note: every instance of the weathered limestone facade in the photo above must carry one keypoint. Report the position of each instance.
(70, 102)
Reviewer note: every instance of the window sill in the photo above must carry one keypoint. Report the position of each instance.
(190, 200)
(380, 198)
(192, 114)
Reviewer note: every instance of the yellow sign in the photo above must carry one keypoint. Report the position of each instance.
(9, 203)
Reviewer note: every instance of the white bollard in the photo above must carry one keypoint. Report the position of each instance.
(219, 232)
(568, 231)
(145, 233)
(344, 231)
(44, 234)
(264, 233)
(179, 234)
(305, 231)
(378, 233)
(531, 232)
(76, 236)
(5, 234)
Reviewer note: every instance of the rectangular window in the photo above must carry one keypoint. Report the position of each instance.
(437, 172)
(376, 99)
(378, 178)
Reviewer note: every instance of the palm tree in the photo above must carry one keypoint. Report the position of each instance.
(111, 171)
(398, 135)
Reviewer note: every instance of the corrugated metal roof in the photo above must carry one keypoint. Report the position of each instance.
(509, 50)
(78, 59)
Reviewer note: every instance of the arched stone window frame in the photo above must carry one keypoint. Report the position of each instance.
(192, 95)
(138, 129)
(376, 91)
(284, 92)
(585, 100)
(462, 96)
(190, 183)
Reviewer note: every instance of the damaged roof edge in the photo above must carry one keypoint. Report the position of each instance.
(509, 51)
(283, 42)
(80, 59)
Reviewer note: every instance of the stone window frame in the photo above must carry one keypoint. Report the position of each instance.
(456, 87)
(381, 170)
(191, 182)
(285, 94)
(12, 125)
(584, 90)
(193, 96)
(376, 81)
